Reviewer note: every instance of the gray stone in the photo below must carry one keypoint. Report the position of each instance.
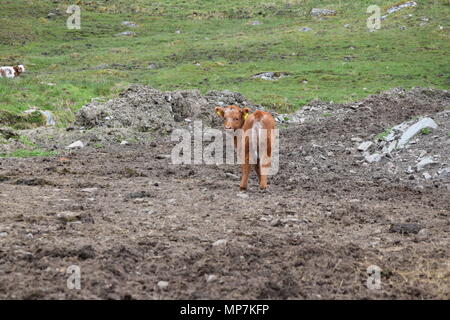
(242, 195)
(427, 176)
(396, 8)
(76, 144)
(219, 242)
(231, 176)
(129, 24)
(163, 284)
(365, 145)
(376, 157)
(425, 162)
(276, 223)
(415, 129)
(125, 34)
(270, 75)
(315, 12)
(211, 278)
(444, 172)
(390, 148)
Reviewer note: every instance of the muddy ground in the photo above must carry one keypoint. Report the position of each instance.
(129, 219)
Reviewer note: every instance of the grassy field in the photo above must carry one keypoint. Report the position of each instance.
(218, 47)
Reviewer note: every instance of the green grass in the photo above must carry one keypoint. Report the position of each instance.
(24, 153)
(67, 68)
(426, 131)
(383, 135)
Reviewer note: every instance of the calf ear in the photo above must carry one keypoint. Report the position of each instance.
(245, 113)
(219, 111)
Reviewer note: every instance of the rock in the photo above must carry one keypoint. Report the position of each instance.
(272, 76)
(376, 157)
(415, 129)
(315, 12)
(76, 144)
(3, 234)
(398, 7)
(423, 234)
(129, 24)
(365, 146)
(231, 176)
(444, 172)
(427, 176)
(425, 162)
(390, 148)
(89, 190)
(162, 285)
(125, 34)
(220, 242)
(356, 139)
(242, 195)
(405, 228)
(124, 142)
(275, 223)
(211, 278)
(347, 25)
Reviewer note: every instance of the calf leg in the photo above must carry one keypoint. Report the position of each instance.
(263, 178)
(245, 168)
(258, 171)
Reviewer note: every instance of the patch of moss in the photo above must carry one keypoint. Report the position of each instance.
(21, 121)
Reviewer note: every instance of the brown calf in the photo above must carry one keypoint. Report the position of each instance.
(256, 128)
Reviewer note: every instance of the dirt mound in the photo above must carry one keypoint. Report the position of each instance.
(146, 109)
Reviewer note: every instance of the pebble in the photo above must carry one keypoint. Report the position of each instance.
(242, 195)
(220, 242)
(211, 278)
(231, 176)
(163, 284)
(76, 144)
(365, 145)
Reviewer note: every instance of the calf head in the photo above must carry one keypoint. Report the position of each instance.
(234, 117)
(18, 70)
